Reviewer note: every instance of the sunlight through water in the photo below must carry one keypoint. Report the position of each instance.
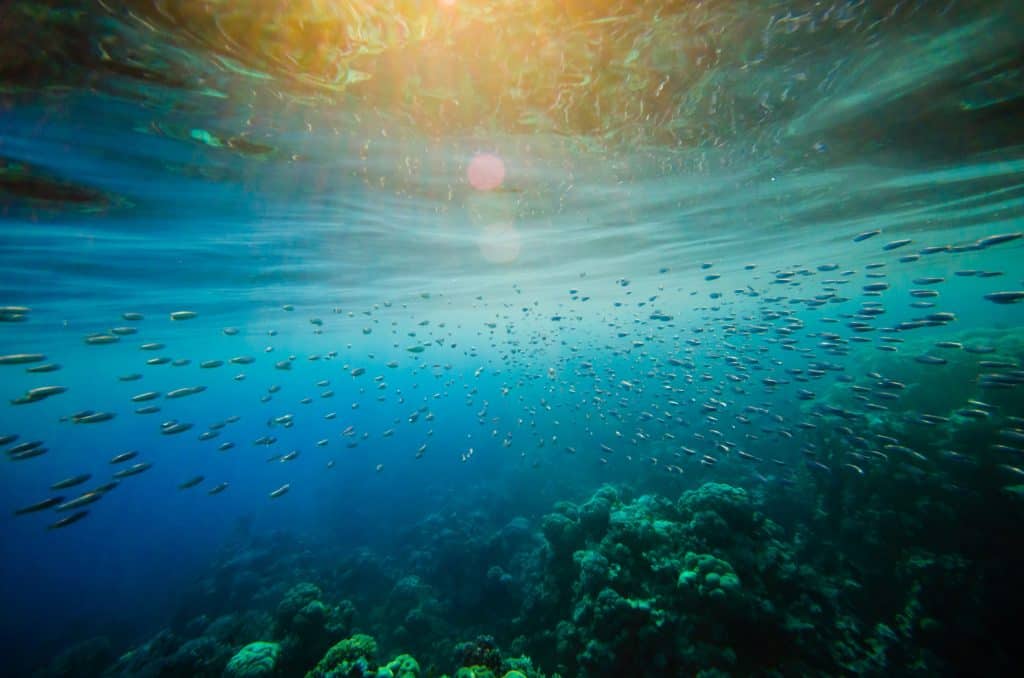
(511, 338)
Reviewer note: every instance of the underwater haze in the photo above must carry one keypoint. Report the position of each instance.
(511, 339)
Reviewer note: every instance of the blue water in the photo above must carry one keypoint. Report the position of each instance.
(717, 232)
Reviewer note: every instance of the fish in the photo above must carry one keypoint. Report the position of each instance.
(64, 522)
(124, 456)
(815, 465)
(1009, 297)
(49, 502)
(79, 501)
(101, 339)
(861, 237)
(21, 358)
(45, 391)
(993, 240)
(39, 393)
(41, 369)
(280, 491)
(24, 446)
(1012, 434)
(185, 391)
(896, 244)
(107, 486)
(183, 315)
(191, 482)
(134, 470)
(217, 489)
(27, 454)
(93, 417)
(71, 482)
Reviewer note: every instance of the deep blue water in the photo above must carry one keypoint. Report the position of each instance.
(675, 283)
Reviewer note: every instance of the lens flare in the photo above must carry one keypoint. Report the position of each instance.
(500, 243)
(486, 172)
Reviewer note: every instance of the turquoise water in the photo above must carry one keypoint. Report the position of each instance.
(592, 328)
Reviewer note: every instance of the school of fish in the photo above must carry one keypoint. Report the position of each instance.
(711, 394)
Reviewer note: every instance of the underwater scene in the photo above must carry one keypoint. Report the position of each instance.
(511, 338)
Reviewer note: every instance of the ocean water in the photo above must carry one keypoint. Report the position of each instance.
(524, 338)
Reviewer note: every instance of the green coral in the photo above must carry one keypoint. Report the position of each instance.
(717, 513)
(595, 571)
(521, 667)
(563, 534)
(296, 603)
(307, 626)
(596, 512)
(474, 672)
(643, 591)
(402, 666)
(708, 576)
(350, 657)
(253, 660)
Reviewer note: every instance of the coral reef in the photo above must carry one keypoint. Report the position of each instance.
(88, 658)
(307, 626)
(255, 660)
(353, 656)
(617, 584)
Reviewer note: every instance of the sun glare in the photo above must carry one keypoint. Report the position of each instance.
(486, 172)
